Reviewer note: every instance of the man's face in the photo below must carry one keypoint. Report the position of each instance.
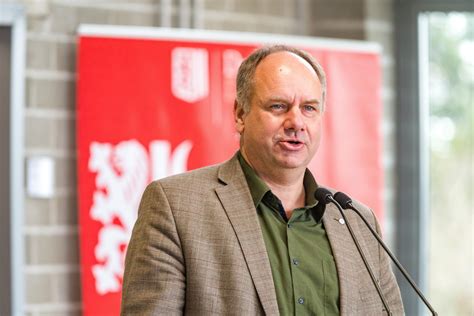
(283, 127)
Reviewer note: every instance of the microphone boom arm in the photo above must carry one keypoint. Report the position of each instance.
(397, 263)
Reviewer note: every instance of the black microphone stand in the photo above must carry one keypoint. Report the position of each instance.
(325, 196)
(346, 202)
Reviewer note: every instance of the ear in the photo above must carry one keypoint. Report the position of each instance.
(239, 116)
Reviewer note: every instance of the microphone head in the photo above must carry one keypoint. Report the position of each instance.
(343, 199)
(323, 195)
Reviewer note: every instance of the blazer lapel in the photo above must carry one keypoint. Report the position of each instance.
(237, 202)
(346, 258)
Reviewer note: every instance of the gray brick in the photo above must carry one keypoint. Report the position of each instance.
(64, 19)
(54, 133)
(66, 210)
(66, 173)
(51, 55)
(65, 59)
(154, 2)
(249, 6)
(67, 287)
(122, 3)
(48, 93)
(37, 8)
(37, 212)
(285, 26)
(52, 249)
(279, 8)
(234, 22)
(228, 25)
(64, 136)
(337, 9)
(38, 288)
(151, 2)
(39, 24)
(175, 20)
(379, 9)
(218, 5)
(134, 18)
(39, 132)
(39, 54)
(93, 15)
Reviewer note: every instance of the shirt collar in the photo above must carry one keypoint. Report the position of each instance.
(258, 188)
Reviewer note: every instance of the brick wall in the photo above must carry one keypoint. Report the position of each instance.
(50, 229)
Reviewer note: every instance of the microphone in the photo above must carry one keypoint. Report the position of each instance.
(325, 196)
(346, 202)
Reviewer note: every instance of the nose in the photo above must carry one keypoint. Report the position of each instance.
(294, 120)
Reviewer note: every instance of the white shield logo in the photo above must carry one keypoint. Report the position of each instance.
(189, 72)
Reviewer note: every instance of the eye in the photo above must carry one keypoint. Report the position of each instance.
(278, 106)
(311, 108)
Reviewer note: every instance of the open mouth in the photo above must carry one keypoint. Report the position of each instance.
(293, 142)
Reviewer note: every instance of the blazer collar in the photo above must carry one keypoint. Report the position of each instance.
(238, 204)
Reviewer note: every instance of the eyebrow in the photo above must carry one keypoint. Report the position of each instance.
(283, 100)
(313, 101)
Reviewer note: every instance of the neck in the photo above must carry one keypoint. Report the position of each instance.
(286, 184)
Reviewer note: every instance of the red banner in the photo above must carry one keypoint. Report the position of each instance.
(153, 107)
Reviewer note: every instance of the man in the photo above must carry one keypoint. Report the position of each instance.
(247, 237)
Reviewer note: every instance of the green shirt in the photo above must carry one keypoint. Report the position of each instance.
(303, 268)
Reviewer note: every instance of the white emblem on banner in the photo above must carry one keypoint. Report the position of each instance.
(189, 73)
(168, 163)
(123, 171)
(232, 60)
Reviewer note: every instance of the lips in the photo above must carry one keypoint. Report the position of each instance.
(291, 144)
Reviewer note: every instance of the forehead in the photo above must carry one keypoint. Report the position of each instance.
(286, 75)
(284, 62)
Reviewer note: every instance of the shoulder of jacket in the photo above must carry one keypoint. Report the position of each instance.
(190, 178)
(366, 211)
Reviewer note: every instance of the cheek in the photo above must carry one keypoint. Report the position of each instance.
(315, 131)
(270, 125)
(262, 128)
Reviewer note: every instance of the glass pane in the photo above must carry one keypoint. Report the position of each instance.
(451, 103)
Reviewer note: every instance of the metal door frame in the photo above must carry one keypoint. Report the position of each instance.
(13, 16)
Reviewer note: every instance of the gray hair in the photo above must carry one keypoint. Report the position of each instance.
(246, 73)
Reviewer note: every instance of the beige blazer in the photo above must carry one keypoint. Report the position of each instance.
(197, 249)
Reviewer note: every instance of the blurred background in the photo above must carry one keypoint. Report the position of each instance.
(427, 64)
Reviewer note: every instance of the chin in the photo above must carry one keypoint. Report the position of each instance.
(292, 164)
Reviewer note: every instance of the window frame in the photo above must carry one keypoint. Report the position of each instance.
(13, 16)
(412, 186)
